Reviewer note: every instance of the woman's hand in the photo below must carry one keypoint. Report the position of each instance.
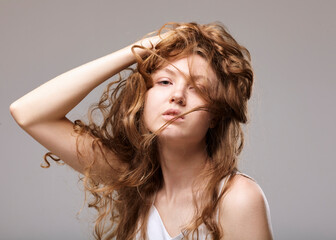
(151, 42)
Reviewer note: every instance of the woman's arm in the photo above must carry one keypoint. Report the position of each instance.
(244, 212)
(41, 112)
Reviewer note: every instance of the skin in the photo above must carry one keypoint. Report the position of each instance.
(42, 114)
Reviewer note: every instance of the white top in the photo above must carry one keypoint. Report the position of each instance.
(157, 231)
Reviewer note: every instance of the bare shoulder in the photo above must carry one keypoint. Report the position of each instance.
(244, 211)
(243, 192)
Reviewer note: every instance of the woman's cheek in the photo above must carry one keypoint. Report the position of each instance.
(151, 110)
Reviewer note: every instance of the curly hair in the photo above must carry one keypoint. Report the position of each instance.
(124, 200)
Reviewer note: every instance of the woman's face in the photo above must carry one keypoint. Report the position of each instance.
(173, 94)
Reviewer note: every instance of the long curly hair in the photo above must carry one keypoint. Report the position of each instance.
(124, 199)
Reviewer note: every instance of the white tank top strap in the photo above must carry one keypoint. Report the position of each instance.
(222, 184)
(245, 175)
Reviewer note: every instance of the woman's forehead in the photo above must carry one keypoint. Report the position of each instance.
(193, 66)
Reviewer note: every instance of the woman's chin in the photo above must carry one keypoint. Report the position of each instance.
(171, 135)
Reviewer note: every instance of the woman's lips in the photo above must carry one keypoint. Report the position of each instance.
(172, 113)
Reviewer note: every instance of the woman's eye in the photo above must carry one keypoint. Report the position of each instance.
(164, 82)
(191, 87)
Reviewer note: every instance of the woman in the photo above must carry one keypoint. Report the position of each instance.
(163, 162)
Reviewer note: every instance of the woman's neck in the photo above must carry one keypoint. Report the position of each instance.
(180, 164)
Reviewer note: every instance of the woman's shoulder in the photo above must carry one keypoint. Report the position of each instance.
(242, 189)
(245, 205)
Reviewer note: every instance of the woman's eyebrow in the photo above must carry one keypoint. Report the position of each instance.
(169, 71)
(194, 77)
(200, 78)
(164, 71)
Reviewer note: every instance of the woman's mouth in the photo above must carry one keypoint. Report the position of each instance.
(171, 114)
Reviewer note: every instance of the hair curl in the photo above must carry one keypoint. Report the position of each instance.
(123, 202)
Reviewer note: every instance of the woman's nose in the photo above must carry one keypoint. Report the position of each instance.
(178, 95)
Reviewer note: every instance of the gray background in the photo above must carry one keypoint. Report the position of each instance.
(290, 140)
